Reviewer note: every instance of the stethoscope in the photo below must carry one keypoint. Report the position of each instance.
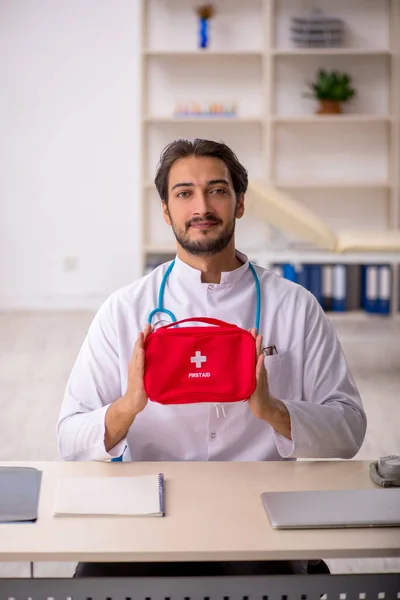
(160, 308)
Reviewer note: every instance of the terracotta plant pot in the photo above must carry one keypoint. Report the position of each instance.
(329, 107)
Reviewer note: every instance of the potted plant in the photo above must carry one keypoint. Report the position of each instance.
(331, 89)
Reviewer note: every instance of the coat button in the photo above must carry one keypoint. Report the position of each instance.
(213, 435)
(210, 287)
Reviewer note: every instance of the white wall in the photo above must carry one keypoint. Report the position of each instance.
(69, 149)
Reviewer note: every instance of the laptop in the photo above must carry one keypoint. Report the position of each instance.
(19, 494)
(333, 509)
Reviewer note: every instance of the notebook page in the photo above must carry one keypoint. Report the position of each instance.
(131, 496)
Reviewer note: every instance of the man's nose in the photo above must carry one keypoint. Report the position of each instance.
(201, 204)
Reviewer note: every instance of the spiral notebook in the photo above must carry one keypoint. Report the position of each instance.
(138, 496)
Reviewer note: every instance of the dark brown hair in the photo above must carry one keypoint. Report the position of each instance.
(185, 148)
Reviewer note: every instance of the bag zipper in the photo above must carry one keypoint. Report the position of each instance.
(217, 407)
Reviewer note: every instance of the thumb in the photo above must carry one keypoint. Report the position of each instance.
(139, 363)
(260, 369)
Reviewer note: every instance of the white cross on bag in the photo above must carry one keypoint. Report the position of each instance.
(198, 359)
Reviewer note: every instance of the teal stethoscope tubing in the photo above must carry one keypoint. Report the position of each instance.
(160, 308)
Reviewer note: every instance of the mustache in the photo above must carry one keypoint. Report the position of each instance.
(207, 219)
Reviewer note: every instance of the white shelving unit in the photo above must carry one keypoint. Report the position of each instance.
(196, 120)
(342, 120)
(202, 55)
(346, 166)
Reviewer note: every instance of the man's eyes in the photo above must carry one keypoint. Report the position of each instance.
(186, 194)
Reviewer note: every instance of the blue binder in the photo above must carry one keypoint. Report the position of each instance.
(315, 281)
(363, 286)
(302, 275)
(289, 272)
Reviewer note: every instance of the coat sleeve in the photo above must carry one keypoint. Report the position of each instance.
(329, 421)
(93, 385)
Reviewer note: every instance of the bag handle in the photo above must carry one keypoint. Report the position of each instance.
(208, 320)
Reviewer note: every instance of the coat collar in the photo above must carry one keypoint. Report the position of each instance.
(189, 274)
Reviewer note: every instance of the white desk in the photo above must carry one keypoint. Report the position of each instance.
(213, 512)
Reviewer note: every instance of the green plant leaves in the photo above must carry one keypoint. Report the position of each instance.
(332, 85)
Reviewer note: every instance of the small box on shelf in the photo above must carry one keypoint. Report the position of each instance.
(213, 109)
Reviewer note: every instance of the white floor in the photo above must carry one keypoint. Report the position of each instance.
(37, 351)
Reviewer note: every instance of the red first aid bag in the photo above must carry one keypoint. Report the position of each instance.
(199, 364)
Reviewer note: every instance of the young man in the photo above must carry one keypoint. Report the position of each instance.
(305, 404)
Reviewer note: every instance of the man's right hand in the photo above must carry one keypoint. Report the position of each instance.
(135, 396)
(121, 413)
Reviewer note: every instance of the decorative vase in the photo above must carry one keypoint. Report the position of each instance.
(203, 33)
(329, 107)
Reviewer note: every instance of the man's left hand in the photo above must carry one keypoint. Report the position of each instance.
(262, 404)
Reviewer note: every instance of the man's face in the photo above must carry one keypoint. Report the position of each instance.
(202, 206)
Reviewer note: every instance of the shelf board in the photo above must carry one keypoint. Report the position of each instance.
(300, 256)
(337, 119)
(203, 53)
(357, 315)
(311, 256)
(331, 52)
(233, 120)
(336, 185)
(274, 52)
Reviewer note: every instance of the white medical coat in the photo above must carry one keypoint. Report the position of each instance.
(309, 374)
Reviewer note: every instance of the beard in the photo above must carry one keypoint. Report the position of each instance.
(207, 246)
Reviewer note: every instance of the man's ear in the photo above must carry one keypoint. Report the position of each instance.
(165, 212)
(240, 206)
